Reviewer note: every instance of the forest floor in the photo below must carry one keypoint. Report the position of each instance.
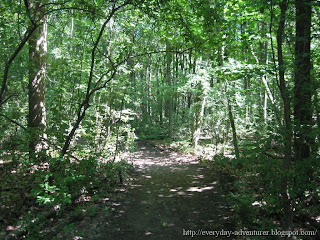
(169, 194)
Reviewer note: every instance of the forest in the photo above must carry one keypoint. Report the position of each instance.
(99, 97)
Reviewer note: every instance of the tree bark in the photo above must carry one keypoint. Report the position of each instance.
(302, 81)
(234, 132)
(37, 82)
(287, 203)
(198, 114)
(169, 82)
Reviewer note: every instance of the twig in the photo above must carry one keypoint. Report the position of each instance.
(13, 121)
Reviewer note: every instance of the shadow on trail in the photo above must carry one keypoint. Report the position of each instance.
(170, 194)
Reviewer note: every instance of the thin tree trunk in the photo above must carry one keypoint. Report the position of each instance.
(169, 82)
(287, 203)
(159, 95)
(265, 107)
(197, 119)
(4, 83)
(90, 91)
(149, 79)
(268, 91)
(234, 132)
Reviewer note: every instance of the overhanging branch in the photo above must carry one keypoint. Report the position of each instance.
(11, 59)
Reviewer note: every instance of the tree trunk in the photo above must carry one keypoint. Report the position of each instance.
(90, 91)
(234, 132)
(159, 95)
(37, 82)
(199, 106)
(169, 82)
(287, 203)
(302, 81)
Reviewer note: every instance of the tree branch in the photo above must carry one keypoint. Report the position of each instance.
(13, 121)
(11, 59)
(85, 103)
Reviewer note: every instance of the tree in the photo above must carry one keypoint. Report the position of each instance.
(37, 74)
(201, 82)
(302, 81)
(182, 70)
(287, 202)
(93, 87)
(168, 77)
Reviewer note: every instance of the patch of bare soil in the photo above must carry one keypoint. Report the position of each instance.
(169, 194)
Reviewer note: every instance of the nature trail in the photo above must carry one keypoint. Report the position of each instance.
(170, 193)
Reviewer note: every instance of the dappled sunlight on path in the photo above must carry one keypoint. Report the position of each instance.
(153, 156)
(169, 194)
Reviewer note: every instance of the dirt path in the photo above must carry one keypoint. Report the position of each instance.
(169, 195)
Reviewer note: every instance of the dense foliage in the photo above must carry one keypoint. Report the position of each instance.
(233, 81)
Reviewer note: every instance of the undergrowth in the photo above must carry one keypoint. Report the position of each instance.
(57, 190)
